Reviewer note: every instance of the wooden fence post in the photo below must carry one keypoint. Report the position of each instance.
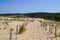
(55, 31)
(11, 34)
(16, 32)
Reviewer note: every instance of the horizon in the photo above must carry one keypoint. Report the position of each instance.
(29, 6)
(29, 12)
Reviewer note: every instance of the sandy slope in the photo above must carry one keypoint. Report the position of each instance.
(34, 31)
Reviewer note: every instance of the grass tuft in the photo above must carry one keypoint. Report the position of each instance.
(22, 29)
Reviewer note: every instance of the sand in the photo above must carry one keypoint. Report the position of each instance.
(34, 30)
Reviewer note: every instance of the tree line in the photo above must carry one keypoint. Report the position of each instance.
(44, 15)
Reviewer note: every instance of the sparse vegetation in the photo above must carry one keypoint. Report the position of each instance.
(44, 15)
(5, 27)
(22, 29)
(0, 28)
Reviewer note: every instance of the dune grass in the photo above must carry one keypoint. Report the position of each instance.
(22, 29)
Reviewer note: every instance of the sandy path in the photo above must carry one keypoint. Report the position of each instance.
(33, 31)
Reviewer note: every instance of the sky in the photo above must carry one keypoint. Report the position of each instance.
(26, 6)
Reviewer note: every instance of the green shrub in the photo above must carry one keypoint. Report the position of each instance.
(22, 29)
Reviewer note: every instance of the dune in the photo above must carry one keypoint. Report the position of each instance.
(34, 30)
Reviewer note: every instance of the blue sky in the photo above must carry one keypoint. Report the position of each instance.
(23, 6)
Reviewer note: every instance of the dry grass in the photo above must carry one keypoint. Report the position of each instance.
(22, 29)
